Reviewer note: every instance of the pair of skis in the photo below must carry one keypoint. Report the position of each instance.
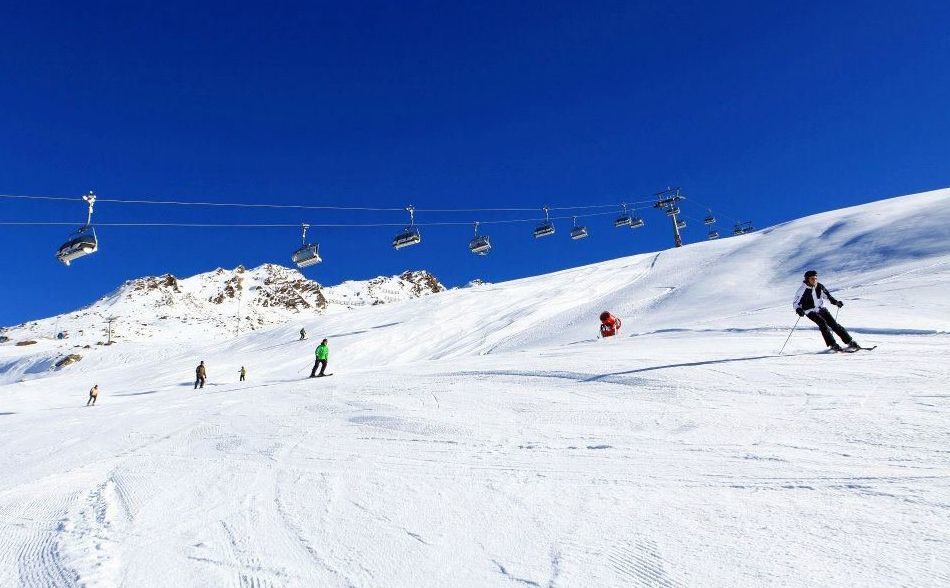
(853, 349)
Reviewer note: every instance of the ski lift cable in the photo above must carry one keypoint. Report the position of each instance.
(307, 206)
(297, 225)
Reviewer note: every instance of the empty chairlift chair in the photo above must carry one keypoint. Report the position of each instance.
(680, 224)
(741, 228)
(624, 220)
(713, 235)
(546, 228)
(480, 244)
(710, 219)
(309, 253)
(578, 232)
(636, 222)
(410, 235)
(82, 242)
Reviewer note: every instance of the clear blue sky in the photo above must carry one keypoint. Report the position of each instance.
(766, 111)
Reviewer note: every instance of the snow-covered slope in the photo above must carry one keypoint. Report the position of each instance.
(485, 436)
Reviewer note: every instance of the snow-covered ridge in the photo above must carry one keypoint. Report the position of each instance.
(219, 303)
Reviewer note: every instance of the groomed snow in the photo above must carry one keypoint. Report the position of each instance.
(485, 436)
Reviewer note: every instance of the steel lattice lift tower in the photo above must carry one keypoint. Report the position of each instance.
(667, 201)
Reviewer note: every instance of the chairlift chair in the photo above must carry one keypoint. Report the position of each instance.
(624, 219)
(83, 241)
(480, 244)
(713, 235)
(741, 228)
(546, 228)
(636, 222)
(309, 253)
(680, 224)
(578, 232)
(410, 235)
(710, 219)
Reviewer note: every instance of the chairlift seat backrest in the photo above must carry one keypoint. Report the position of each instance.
(307, 255)
(543, 230)
(713, 235)
(81, 243)
(623, 221)
(578, 233)
(636, 223)
(480, 245)
(409, 236)
(709, 220)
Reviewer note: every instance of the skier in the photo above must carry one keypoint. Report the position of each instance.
(810, 300)
(303, 334)
(243, 373)
(93, 394)
(322, 352)
(200, 375)
(609, 324)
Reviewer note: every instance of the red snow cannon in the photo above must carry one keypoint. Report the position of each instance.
(609, 324)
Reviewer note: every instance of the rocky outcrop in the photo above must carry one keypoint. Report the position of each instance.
(68, 360)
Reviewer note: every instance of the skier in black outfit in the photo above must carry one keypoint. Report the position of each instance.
(810, 300)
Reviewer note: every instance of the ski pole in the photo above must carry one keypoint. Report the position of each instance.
(789, 335)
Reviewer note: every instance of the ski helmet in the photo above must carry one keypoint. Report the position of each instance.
(604, 315)
(811, 274)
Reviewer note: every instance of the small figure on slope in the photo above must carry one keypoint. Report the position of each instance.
(200, 375)
(322, 352)
(243, 373)
(810, 301)
(303, 334)
(609, 324)
(93, 394)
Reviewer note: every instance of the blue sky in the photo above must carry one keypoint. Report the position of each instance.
(764, 111)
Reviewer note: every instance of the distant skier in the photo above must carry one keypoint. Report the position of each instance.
(303, 334)
(322, 352)
(810, 300)
(243, 373)
(93, 394)
(609, 324)
(200, 375)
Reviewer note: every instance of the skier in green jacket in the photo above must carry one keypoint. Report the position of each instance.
(322, 352)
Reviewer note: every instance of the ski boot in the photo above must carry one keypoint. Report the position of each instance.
(835, 348)
(853, 345)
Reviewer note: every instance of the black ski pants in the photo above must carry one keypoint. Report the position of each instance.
(320, 363)
(199, 382)
(827, 323)
(92, 400)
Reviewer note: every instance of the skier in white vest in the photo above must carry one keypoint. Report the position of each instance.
(810, 301)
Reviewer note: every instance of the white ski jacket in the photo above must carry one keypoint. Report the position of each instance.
(812, 299)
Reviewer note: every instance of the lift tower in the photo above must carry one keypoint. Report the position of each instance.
(667, 201)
